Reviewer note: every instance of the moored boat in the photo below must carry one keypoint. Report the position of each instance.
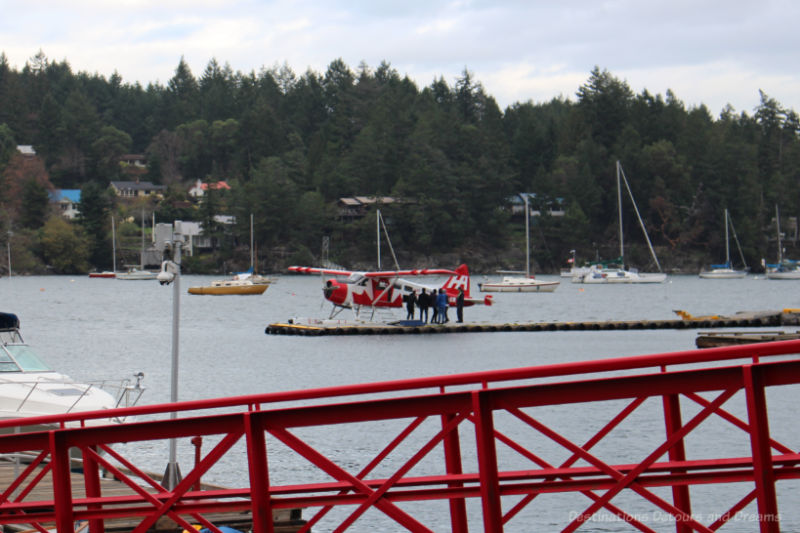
(519, 284)
(28, 387)
(597, 274)
(136, 274)
(103, 274)
(526, 282)
(230, 286)
(785, 268)
(726, 270)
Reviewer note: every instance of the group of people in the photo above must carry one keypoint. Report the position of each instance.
(435, 300)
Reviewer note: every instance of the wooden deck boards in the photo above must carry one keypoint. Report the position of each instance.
(285, 520)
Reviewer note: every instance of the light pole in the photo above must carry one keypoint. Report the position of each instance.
(171, 273)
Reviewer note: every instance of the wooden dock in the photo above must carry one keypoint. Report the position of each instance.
(316, 328)
(712, 339)
(285, 520)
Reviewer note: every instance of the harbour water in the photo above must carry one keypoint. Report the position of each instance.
(92, 328)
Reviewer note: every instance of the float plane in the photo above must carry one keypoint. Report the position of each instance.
(355, 290)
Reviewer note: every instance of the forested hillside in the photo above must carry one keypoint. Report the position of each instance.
(290, 145)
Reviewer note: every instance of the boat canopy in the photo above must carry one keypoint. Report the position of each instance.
(9, 321)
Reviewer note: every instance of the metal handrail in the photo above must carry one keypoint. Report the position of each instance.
(255, 402)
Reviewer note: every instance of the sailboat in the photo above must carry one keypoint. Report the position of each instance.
(784, 269)
(251, 273)
(242, 283)
(525, 283)
(109, 273)
(140, 273)
(726, 270)
(600, 274)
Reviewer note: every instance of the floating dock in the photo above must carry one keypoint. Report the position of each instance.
(713, 339)
(315, 328)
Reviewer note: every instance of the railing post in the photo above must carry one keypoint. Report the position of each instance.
(763, 474)
(680, 493)
(487, 462)
(197, 442)
(452, 460)
(259, 474)
(62, 488)
(91, 482)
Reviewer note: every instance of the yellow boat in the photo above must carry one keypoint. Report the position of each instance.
(231, 286)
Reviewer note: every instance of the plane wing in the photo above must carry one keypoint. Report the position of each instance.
(415, 272)
(378, 274)
(315, 270)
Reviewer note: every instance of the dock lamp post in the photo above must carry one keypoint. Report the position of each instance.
(171, 273)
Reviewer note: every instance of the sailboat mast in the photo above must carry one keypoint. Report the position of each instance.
(619, 205)
(378, 233)
(778, 226)
(252, 260)
(527, 240)
(727, 242)
(621, 173)
(141, 253)
(113, 245)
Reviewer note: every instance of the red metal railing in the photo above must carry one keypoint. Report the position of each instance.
(474, 443)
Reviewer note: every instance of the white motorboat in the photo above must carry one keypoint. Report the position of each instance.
(726, 270)
(29, 388)
(526, 282)
(619, 274)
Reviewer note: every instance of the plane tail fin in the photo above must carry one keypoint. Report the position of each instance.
(460, 280)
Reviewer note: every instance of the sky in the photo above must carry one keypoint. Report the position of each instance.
(713, 53)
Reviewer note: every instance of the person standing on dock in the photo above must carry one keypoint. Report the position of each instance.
(460, 306)
(435, 306)
(423, 302)
(441, 304)
(411, 299)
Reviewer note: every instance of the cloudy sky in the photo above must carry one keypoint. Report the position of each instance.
(712, 52)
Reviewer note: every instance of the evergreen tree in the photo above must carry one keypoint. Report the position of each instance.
(94, 217)
(33, 208)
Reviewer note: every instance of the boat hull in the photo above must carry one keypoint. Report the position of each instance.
(543, 286)
(137, 275)
(102, 275)
(574, 272)
(223, 290)
(723, 273)
(619, 276)
(791, 274)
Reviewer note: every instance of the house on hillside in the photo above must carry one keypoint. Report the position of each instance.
(199, 189)
(133, 160)
(536, 204)
(191, 232)
(351, 208)
(26, 150)
(133, 189)
(133, 166)
(67, 201)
